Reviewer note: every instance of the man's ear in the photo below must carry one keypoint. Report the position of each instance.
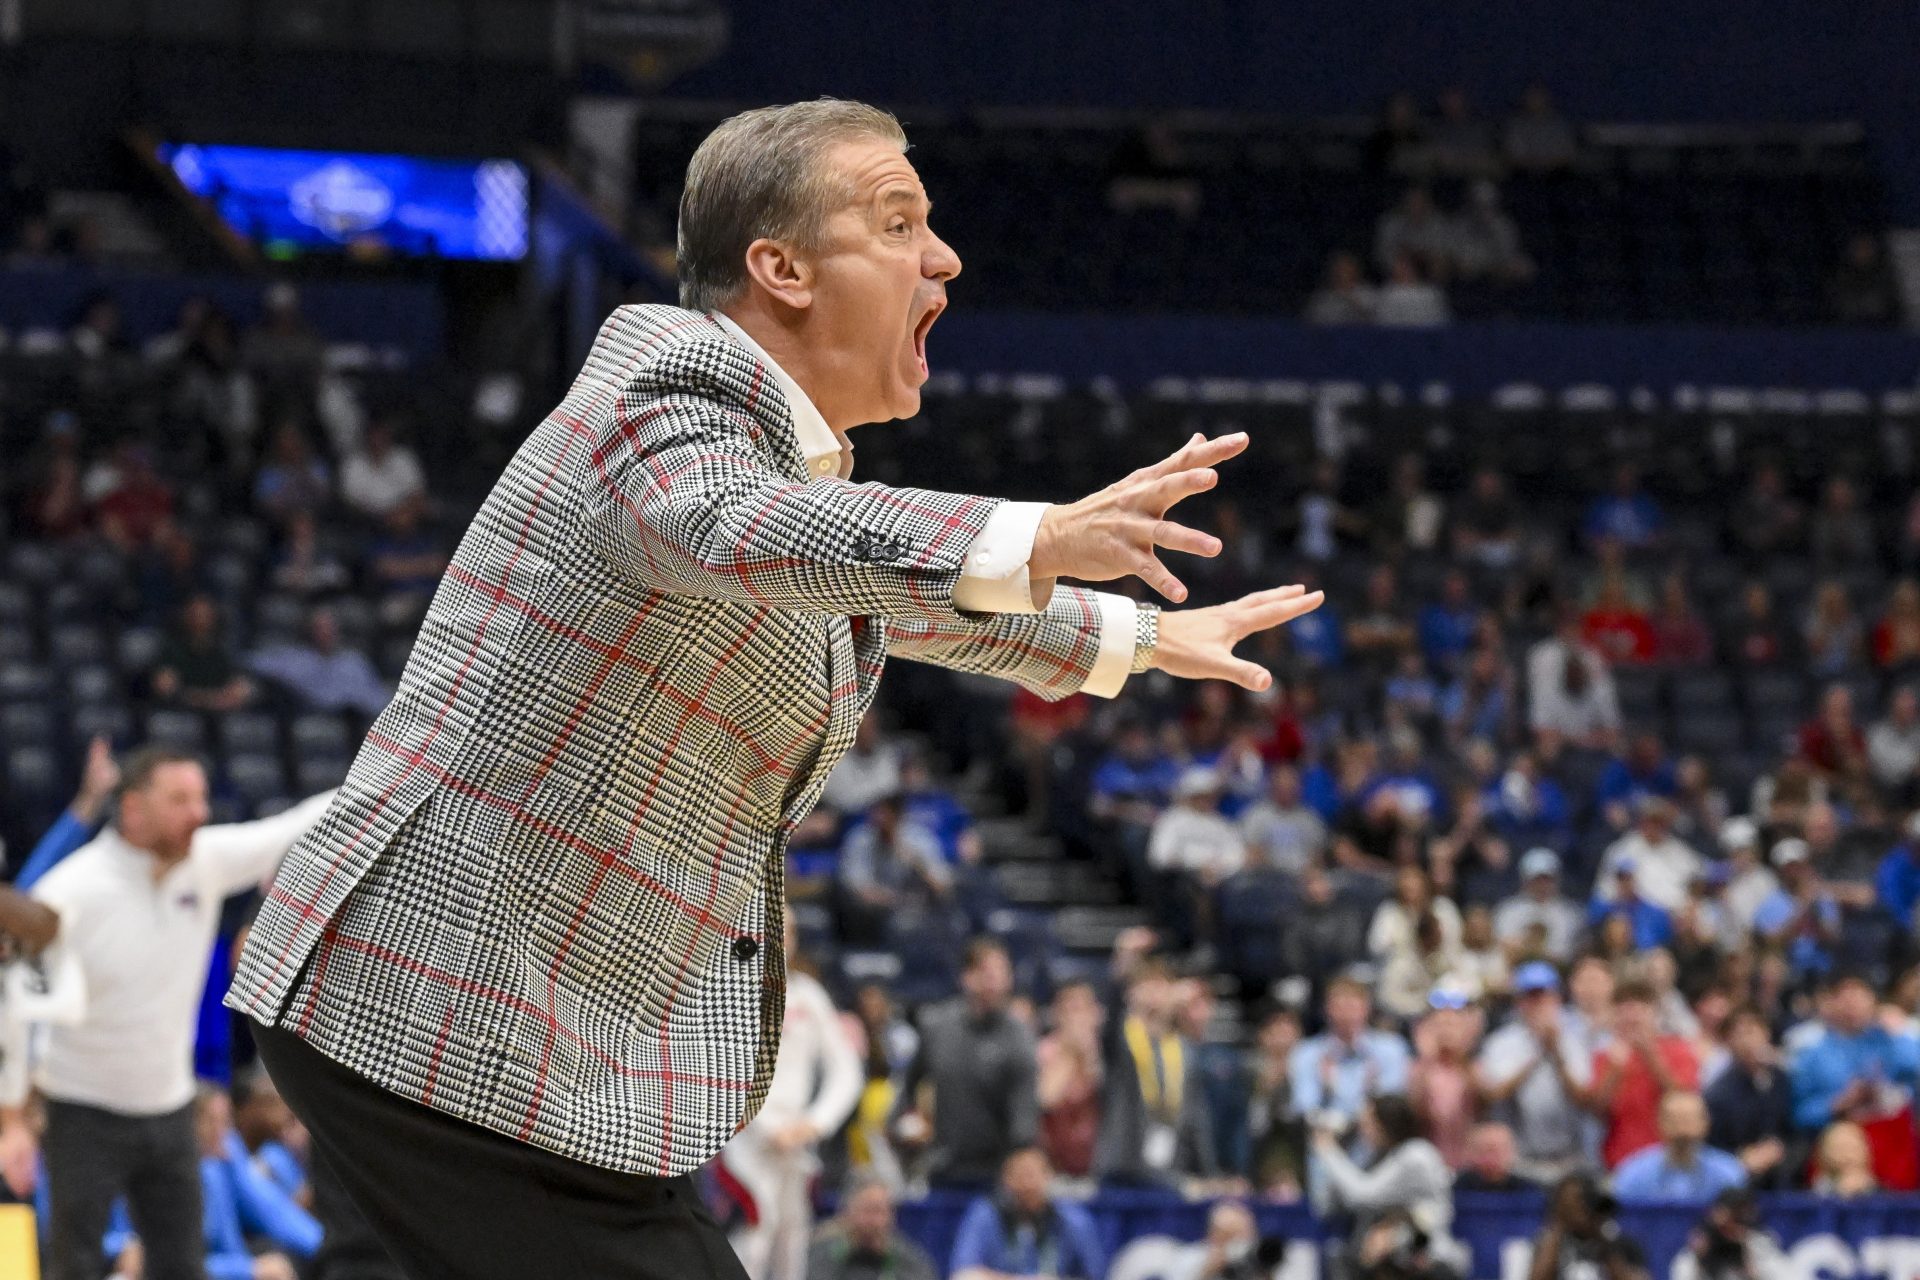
(777, 269)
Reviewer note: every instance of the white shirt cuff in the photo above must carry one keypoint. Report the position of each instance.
(995, 577)
(1114, 662)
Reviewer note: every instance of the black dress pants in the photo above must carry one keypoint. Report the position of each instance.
(450, 1200)
(93, 1157)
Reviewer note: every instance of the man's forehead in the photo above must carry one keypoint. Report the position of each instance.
(877, 169)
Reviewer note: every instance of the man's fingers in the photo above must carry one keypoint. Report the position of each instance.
(1197, 452)
(1155, 575)
(1177, 537)
(1247, 675)
(1167, 490)
(1267, 614)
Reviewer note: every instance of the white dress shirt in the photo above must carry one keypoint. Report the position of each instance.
(995, 579)
(135, 949)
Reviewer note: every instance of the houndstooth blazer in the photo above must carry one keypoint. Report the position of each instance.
(549, 897)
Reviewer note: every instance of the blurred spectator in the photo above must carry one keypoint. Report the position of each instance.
(1750, 1104)
(1440, 1082)
(1643, 773)
(1766, 521)
(1756, 637)
(1582, 1239)
(1862, 1071)
(1833, 742)
(1749, 882)
(1490, 1162)
(1642, 923)
(1833, 633)
(304, 567)
(292, 481)
(1897, 882)
(1486, 526)
(168, 574)
(1408, 299)
(1841, 533)
(1281, 832)
(1276, 1135)
(1731, 1244)
(1416, 230)
(1861, 289)
(1633, 1073)
(1405, 1183)
(1539, 922)
(1659, 862)
(1801, 918)
(322, 673)
(283, 353)
(131, 503)
(1149, 170)
(1322, 523)
(1154, 1127)
(1480, 701)
(266, 1211)
(1190, 840)
(208, 380)
(868, 773)
(890, 869)
(1133, 784)
(977, 1062)
(1459, 141)
(1681, 637)
(1682, 1168)
(1537, 136)
(1896, 637)
(1484, 240)
(33, 246)
(1349, 1062)
(1415, 940)
(1379, 632)
(1022, 1233)
(1844, 1163)
(1327, 937)
(1572, 691)
(267, 1128)
(1447, 625)
(55, 505)
(863, 1243)
(1526, 807)
(195, 668)
(1628, 515)
(101, 331)
(404, 565)
(933, 807)
(1072, 1072)
(1344, 296)
(1699, 806)
(1531, 1074)
(1230, 1250)
(1399, 144)
(382, 476)
(1410, 515)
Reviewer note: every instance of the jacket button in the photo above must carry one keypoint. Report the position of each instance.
(745, 949)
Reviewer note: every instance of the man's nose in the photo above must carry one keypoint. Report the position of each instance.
(940, 262)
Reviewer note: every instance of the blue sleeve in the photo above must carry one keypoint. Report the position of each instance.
(1659, 925)
(1903, 1054)
(1893, 884)
(62, 838)
(1394, 1064)
(229, 1266)
(1812, 1098)
(267, 1210)
(1614, 783)
(1630, 1181)
(1089, 1255)
(119, 1225)
(977, 1243)
(1303, 1072)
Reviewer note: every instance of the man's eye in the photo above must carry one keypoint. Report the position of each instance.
(898, 227)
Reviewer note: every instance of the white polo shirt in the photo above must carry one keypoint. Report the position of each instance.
(138, 948)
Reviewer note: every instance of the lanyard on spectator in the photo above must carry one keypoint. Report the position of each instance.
(1171, 1060)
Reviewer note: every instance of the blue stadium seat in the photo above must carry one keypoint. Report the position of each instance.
(319, 734)
(109, 720)
(250, 732)
(256, 777)
(184, 730)
(29, 724)
(26, 682)
(319, 773)
(90, 684)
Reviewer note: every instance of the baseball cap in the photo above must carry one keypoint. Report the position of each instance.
(1197, 782)
(1791, 850)
(1535, 975)
(1739, 833)
(1539, 862)
(1448, 994)
(1624, 867)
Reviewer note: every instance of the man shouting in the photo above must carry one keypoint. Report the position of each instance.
(527, 972)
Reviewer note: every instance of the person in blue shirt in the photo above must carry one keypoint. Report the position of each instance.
(1643, 771)
(262, 1119)
(79, 820)
(1652, 927)
(1682, 1169)
(1801, 916)
(1020, 1231)
(1528, 809)
(1628, 515)
(1350, 1062)
(934, 809)
(1446, 626)
(1858, 1069)
(1897, 883)
(1322, 643)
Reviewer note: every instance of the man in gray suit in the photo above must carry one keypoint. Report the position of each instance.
(525, 974)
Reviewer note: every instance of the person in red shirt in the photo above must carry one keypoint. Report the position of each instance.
(1833, 742)
(1896, 637)
(1637, 1068)
(1616, 626)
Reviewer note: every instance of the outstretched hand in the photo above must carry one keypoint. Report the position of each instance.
(1114, 533)
(1197, 644)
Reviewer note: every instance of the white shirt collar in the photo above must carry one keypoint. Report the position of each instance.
(827, 453)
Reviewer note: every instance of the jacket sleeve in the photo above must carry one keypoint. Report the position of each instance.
(1082, 642)
(683, 500)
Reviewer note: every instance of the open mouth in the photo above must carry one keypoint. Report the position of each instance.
(920, 332)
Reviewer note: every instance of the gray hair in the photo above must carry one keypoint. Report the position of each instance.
(762, 175)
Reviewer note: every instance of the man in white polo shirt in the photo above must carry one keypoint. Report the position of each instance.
(130, 919)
